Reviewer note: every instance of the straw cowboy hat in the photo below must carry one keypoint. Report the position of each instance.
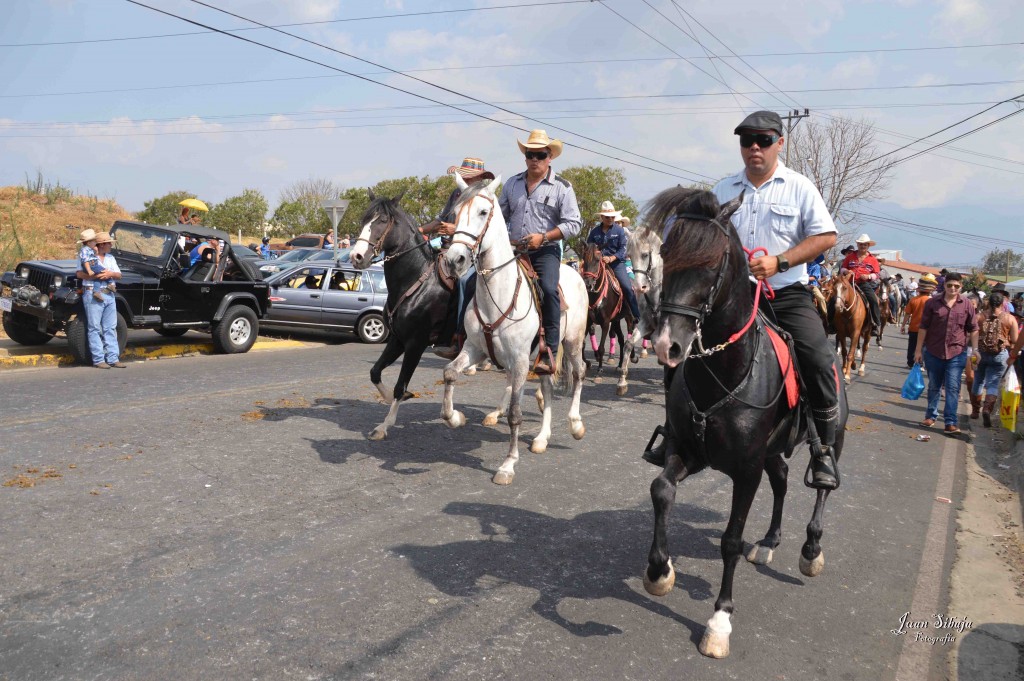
(87, 235)
(928, 279)
(539, 139)
(471, 169)
(624, 221)
(104, 238)
(608, 210)
(865, 239)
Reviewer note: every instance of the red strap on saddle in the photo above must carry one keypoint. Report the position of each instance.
(786, 366)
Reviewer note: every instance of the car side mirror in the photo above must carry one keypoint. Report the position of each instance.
(184, 260)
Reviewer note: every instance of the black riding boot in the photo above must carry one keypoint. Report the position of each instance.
(876, 316)
(656, 454)
(824, 466)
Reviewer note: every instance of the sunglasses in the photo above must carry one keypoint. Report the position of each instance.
(953, 285)
(747, 139)
(536, 155)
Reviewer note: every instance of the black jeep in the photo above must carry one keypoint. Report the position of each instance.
(159, 289)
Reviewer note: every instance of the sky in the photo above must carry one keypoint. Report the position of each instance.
(133, 103)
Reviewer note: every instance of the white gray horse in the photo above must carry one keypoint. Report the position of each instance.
(505, 302)
(644, 251)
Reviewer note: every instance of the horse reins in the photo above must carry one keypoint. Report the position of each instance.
(378, 247)
(603, 279)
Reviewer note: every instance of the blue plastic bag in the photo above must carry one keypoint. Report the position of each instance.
(914, 385)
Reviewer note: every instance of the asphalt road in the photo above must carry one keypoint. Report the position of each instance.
(225, 517)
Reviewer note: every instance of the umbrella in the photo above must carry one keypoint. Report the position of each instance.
(194, 204)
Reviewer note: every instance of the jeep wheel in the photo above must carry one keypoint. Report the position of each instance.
(371, 328)
(237, 331)
(77, 331)
(24, 334)
(171, 333)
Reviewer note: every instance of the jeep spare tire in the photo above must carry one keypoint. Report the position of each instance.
(24, 334)
(78, 338)
(237, 331)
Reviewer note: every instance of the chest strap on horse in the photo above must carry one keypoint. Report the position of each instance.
(389, 312)
(489, 329)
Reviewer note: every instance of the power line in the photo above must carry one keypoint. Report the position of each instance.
(398, 89)
(303, 23)
(940, 230)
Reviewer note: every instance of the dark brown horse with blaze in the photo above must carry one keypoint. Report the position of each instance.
(852, 323)
(607, 309)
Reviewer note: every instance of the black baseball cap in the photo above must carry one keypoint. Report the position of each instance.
(761, 120)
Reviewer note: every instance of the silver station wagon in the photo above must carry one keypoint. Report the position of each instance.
(329, 297)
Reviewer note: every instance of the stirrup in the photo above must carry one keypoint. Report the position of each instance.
(822, 469)
(656, 455)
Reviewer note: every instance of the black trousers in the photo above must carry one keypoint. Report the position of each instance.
(546, 261)
(794, 311)
(870, 289)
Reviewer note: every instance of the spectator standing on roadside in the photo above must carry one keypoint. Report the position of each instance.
(947, 335)
(912, 315)
(183, 218)
(101, 314)
(997, 334)
(265, 251)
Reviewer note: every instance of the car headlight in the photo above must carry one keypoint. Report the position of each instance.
(23, 272)
(44, 301)
(58, 281)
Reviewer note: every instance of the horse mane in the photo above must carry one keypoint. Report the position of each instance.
(385, 207)
(688, 243)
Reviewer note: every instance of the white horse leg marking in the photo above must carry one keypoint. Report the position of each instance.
(506, 397)
(716, 637)
(540, 443)
(452, 417)
(516, 380)
(381, 431)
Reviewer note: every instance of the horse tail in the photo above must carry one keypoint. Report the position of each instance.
(563, 372)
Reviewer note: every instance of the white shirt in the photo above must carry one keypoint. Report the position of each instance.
(912, 287)
(778, 215)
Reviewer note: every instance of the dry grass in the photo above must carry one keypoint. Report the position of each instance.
(32, 225)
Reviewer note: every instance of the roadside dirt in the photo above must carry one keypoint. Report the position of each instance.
(987, 583)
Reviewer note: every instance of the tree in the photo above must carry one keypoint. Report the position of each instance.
(1002, 262)
(422, 197)
(163, 210)
(245, 212)
(840, 157)
(301, 209)
(594, 185)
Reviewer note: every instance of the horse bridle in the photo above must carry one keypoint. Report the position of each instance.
(473, 246)
(378, 248)
(654, 304)
(700, 313)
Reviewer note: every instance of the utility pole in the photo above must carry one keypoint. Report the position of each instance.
(1008, 252)
(792, 119)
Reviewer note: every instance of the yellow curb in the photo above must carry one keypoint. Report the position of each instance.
(138, 352)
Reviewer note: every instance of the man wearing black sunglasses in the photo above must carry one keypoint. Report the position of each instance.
(784, 213)
(540, 209)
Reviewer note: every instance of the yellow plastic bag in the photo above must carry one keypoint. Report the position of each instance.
(1010, 400)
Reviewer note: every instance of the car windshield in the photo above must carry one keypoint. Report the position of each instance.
(141, 242)
(328, 254)
(305, 241)
(295, 256)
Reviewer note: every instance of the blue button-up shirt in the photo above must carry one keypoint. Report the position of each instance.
(778, 215)
(612, 242)
(551, 204)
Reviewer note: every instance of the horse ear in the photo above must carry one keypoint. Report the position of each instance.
(492, 187)
(398, 198)
(373, 197)
(460, 182)
(731, 207)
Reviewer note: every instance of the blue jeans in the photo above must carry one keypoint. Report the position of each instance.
(948, 373)
(101, 316)
(546, 261)
(989, 372)
(627, 288)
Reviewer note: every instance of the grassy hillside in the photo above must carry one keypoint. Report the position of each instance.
(33, 223)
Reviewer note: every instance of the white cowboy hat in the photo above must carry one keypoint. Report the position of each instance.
(539, 139)
(87, 235)
(865, 239)
(608, 210)
(624, 221)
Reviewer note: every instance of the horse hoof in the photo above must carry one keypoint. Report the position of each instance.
(714, 645)
(486, 366)
(760, 555)
(503, 478)
(491, 419)
(577, 429)
(643, 354)
(621, 390)
(539, 446)
(598, 379)
(812, 568)
(860, 372)
(663, 585)
(846, 379)
(377, 435)
(471, 371)
(457, 420)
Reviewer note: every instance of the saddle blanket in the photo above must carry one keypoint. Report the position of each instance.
(785, 365)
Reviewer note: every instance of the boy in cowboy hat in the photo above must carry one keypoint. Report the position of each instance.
(89, 262)
(540, 210)
(912, 314)
(866, 271)
(611, 239)
(472, 171)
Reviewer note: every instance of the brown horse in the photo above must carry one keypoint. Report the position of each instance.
(852, 322)
(607, 310)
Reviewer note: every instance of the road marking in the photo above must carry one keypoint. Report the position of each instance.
(915, 657)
